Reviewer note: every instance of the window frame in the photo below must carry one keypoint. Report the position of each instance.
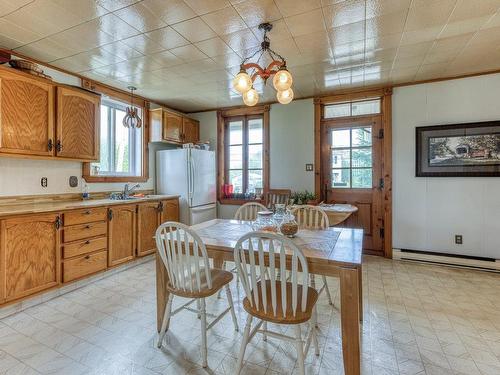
(223, 119)
(144, 168)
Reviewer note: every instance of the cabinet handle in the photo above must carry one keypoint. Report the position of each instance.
(87, 242)
(87, 257)
(59, 146)
(110, 214)
(50, 145)
(58, 222)
(87, 212)
(87, 226)
(160, 207)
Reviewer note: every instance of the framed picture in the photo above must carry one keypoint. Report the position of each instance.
(460, 150)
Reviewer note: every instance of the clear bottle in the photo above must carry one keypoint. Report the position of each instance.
(85, 191)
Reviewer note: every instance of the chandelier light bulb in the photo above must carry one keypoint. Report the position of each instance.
(285, 96)
(282, 79)
(242, 82)
(251, 97)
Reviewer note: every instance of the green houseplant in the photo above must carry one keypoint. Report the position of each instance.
(304, 197)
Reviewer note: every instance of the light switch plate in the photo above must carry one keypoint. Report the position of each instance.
(309, 167)
(44, 182)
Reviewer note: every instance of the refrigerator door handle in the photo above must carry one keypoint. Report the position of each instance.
(191, 177)
(204, 208)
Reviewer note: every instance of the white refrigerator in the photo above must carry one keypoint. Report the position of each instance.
(189, 173)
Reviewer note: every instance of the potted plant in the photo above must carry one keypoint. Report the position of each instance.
(304, 197)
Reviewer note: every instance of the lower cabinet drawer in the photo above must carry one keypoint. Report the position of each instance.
(84, 247)
(84, 231)
(84, 265)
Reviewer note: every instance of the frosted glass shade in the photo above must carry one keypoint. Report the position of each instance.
(282, 80)
(251, 97)
(242, 82)
(285, 96)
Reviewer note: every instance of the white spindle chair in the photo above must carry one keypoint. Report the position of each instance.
(190, 276)
(313, 217)
(275, 300)
(248, 211)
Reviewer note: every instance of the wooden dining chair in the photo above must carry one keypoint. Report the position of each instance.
(248, 211)
(274, 196)
(271, 299)
(313, 217)
(190, 276)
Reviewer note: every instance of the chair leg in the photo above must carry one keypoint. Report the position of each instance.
(314, 333)
(231, 305)
(198, 307)
(244, 343)
(219, 293)
(264, 336)
(166, 320)
(327, 291)
(299, 345)
(203, 333)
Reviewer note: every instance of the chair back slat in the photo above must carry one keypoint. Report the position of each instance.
(248, 211)
(185, 257)
(275, 246)
(310, 217)
(277, 196)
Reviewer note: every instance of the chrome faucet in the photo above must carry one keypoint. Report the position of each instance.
(127, 190)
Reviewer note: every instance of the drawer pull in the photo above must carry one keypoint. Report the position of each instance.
(87, 242)
(87, 226)
(88, 212)
(87, 257)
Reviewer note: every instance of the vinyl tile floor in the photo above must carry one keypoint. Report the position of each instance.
(418, 319)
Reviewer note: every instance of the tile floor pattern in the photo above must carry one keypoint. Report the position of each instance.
(419, 319)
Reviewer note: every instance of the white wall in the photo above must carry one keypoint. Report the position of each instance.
(291, 146)
(428, 212)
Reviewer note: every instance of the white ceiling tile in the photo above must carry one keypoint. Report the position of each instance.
(224, 21)
(167, 37)
(194, 30)
(170, 11)
(140, 17)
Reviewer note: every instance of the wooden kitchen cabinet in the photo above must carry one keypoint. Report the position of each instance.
(121, 234)
(172, 127)
(29, 255)
(78, 117)
(26, 114)
(190, 130)
(170, 210)
(148, 220)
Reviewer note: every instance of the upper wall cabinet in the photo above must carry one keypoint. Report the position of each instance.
(171, 127)
(78, 115)
(26, 114)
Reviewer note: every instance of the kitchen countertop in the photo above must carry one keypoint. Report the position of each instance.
(33, 208)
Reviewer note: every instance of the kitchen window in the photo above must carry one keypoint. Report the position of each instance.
(242, 156)
(121, 149)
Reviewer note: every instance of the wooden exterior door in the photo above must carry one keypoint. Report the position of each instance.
(190, 130)
(148, 220)
(169, 211)
(121, 234)
(29, 255)
(172, 126)
(351, 155)
(78, 117)
(27, 114)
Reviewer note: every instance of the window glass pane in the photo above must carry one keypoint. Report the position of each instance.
(235, 132)
(236, 179)
(104, 152)
(362, 178)
(255, 131)
(341, 138)
(365, 107)
(361, 157)
(254, 180)
(341, 178)
(338, 110)
(341, 158)
(235, 157)
(362, 136)
(122, 144)
(255, 156)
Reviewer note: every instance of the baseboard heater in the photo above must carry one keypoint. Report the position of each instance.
(453, 260)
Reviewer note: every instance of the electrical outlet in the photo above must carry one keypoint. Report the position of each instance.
(44, 182)
(458, 239)
(309, 167)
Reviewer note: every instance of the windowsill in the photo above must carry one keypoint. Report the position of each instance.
(237, 201)
(115, 178)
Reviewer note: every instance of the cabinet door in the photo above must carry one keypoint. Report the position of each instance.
(29, 255)
(26, 115)
(170, 210)
(172, 126)
(190, 130)
(148, 219)
(121, 234)
(78, 117)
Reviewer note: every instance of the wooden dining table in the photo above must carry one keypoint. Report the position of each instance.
(330, 252)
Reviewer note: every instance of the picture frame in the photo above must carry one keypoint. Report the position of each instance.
(458, 150)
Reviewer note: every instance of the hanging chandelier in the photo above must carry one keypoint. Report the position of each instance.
(131, 118)
(282, 80)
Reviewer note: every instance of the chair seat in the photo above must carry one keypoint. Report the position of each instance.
(219, 279)
(289, 318)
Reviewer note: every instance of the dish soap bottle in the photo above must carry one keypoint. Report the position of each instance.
(85, 191)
